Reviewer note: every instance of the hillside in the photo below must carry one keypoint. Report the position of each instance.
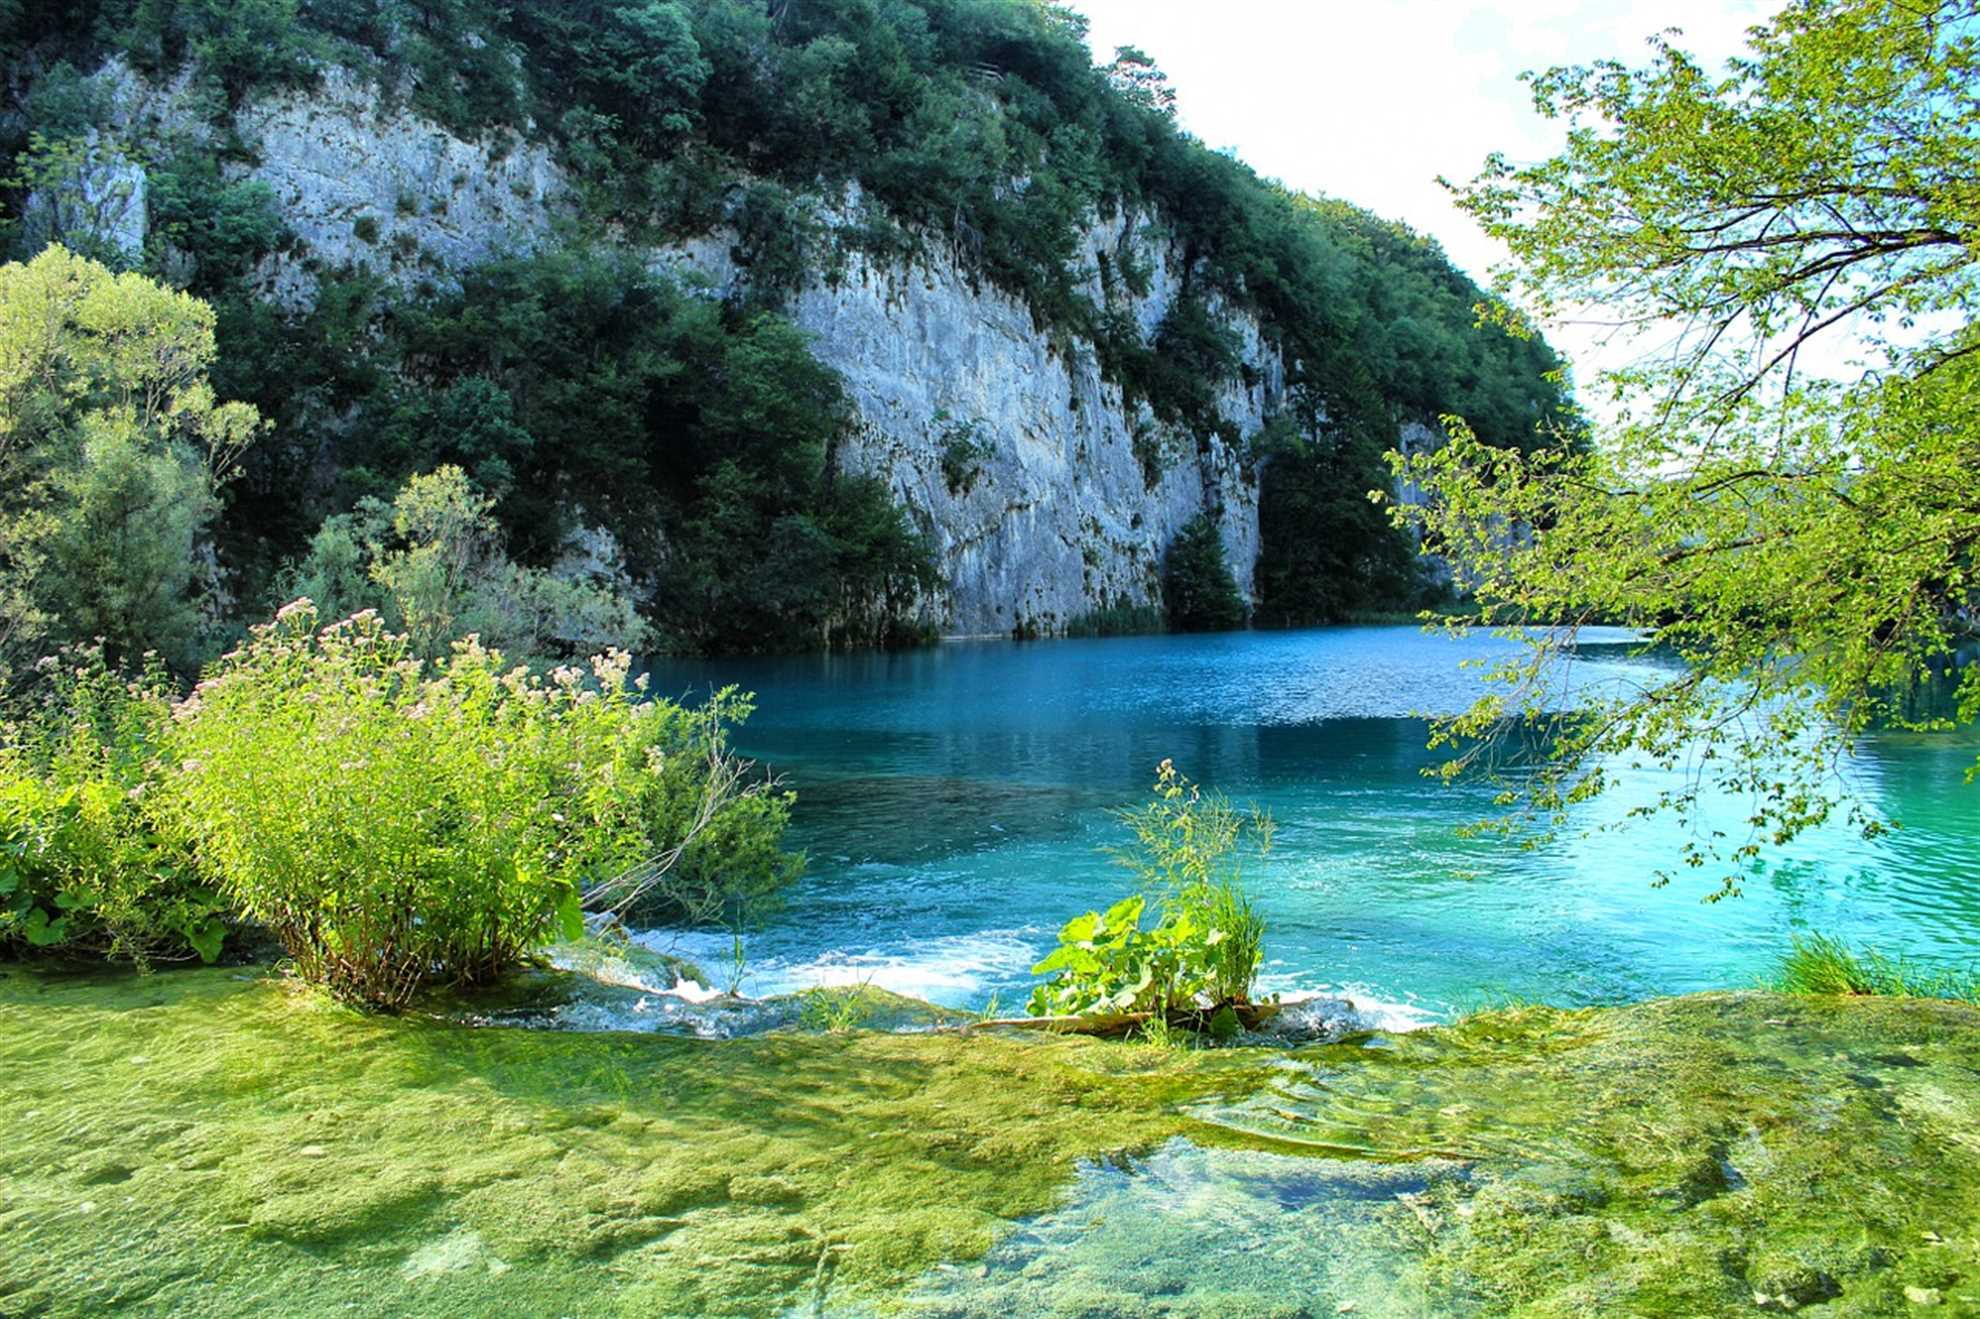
(808, 322)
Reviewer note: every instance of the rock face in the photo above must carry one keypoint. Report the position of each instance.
(1047, 494)
(97, 204)
(1022, 462)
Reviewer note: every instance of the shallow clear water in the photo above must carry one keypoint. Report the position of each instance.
(955, 805)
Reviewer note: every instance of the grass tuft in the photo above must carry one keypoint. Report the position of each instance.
(1819, 964)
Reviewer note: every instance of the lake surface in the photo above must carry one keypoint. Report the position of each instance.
(956, 806)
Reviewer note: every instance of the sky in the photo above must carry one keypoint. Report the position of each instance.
(1371, 100)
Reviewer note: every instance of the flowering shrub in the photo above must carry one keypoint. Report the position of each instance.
(395, 823)
(89, 859)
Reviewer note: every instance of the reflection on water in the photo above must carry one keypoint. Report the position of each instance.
(955, 803)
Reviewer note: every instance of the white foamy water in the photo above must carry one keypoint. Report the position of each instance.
(959, 970)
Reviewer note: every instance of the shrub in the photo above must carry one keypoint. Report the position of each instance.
(1197, 586)
(1121, 619)
(88, 860)
(1201, 954)
(396, 823)
(432, 561)
(962, 456)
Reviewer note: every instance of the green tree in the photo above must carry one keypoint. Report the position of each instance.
(1802, 538)
(432, 560)
(1197, 587)
(113, 451)
(81, 192)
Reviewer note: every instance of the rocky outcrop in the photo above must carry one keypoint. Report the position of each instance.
(1047, 494)
(92, 199)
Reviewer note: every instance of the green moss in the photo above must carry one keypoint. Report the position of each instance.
(212, 1142)
(1685, 1156)
(216, 1142)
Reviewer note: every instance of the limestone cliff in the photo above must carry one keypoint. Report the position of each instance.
(1046, 493)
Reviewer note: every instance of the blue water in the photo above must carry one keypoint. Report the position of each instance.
(955, 804)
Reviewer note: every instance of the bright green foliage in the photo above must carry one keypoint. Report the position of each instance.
(432, 560)
(1818, 964)
(396, 824)
(1804, 544)
(112, 453)
(1205, 945)
(90, 859)
(1198, 591)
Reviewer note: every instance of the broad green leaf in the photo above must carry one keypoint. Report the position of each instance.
(570, 915)
(1079, 928)
(207, 939)
(44, 933)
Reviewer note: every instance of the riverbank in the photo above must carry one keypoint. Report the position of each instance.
(217, 1142)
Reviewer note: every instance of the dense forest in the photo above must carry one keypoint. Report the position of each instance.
(574, 385)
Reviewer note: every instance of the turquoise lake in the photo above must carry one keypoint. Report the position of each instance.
(956, 806)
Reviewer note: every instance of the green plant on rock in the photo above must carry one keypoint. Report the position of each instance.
(1201, 952)
(90, 861)
(963, 452)
(838, 1009)
(396, 823)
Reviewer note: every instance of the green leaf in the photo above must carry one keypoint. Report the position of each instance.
(1126, 913)
(1056, 960)
(44, 933)
(206, 940)
(1080, 928)
(570, 915)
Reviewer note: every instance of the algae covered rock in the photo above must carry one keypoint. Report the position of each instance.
(217, 1143)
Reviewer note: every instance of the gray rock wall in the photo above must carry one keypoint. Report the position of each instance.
(1057, 515)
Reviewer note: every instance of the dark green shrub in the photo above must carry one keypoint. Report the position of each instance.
(962, 456)
(396, 824)
(1118, 620)
(220, 227)
(1197, 587)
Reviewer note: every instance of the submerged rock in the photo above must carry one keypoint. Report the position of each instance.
(1310, 1021)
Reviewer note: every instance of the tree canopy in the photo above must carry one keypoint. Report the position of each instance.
(1789, 497)
(113, 450)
